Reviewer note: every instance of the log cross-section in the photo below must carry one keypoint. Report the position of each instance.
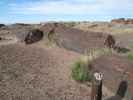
(96, 92)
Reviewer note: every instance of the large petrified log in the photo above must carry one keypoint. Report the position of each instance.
(75, 39)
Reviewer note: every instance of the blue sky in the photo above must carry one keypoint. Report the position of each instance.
(32, 11)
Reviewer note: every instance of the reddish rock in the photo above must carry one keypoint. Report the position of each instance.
(122, 21)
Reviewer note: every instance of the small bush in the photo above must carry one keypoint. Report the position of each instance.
(130, 55)
(81, 72)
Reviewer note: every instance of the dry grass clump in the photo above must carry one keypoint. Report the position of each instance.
(95, 53)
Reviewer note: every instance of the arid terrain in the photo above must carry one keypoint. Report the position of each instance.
(36, 59)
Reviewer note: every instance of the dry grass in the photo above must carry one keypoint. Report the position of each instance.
(122, 31)
(104, 27)
(95, 53)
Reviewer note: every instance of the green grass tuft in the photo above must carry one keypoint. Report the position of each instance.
(80, 71)
(130, 55)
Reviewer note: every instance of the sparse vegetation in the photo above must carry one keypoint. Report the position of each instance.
(26, 68)
(95, 53)
(70, 24)
(130, 55)
(81, 71)
(130, 46)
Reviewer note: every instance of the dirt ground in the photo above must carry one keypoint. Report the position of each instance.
(31, 73)
(42, 72)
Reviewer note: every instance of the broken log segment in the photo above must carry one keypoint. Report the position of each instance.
(96, 92)
(76, 39)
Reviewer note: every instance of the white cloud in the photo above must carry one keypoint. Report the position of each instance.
(80, 7)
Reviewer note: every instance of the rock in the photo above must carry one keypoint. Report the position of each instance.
(110, 41)
(30, 36)
(75, 39)
(33, 36)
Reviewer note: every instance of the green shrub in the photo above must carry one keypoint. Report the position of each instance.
(130, 55)
(80, 71)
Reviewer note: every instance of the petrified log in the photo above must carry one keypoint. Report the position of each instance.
(110, 41)
(75, 39)
(96, 93)
(33, 36)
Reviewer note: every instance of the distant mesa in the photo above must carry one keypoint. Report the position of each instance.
(21, 24)
(2, 25)
(122, 21)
